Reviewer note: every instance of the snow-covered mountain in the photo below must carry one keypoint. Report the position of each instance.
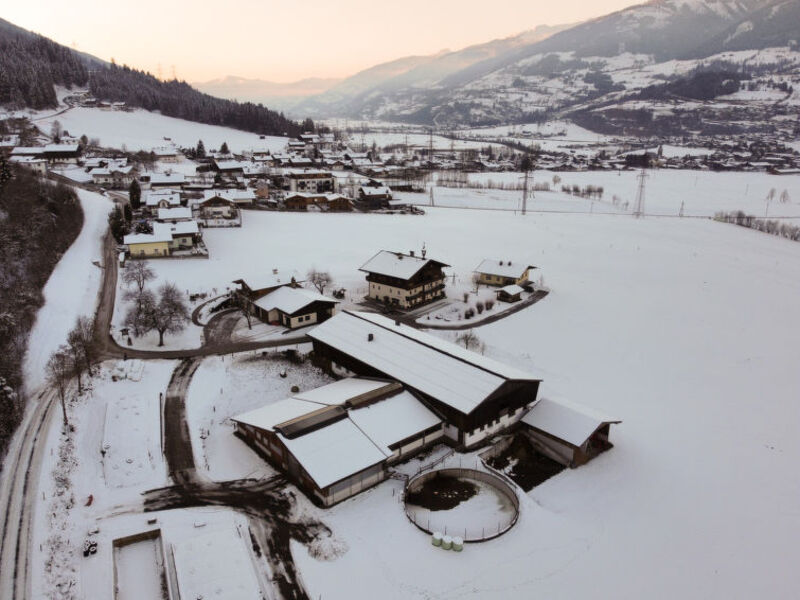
(598, 61)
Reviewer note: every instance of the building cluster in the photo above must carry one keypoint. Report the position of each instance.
(402, 391)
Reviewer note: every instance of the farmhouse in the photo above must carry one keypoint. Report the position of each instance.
(116, 177)
(567, 433)
(503, 272)
(256, 288)
(148, 245)
(373, 198)
(293, 307)
(170, 155)
(238, 197)
(162, 199)
(306, 180)
(404, 280)
(324, 202)
(163, 180)
(475, 396)
(217, 207)
(174, 215)
(339, 439)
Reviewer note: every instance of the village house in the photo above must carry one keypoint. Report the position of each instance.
(338, 440)
(292, 307)
(115, 178)
(217, 207)
(569, 434)
(475, 396)
(163, 180)
(148, 245)
(37, 165)
(503, 272)
(166, 198)
(325, 202)
(374, 197)
(174, 215)
(306, 180)
(239, 197)
(54, 154)
(252, 289)
(404, 280)
(167, 155)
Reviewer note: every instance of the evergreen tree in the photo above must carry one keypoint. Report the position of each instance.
(135, 195)
(224, 148)
(200, 151)
(116, 221)
(128, 213)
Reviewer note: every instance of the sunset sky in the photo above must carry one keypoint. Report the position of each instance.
(284, 41)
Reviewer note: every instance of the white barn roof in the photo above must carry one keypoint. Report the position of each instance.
(343, 390)
(504, 268)
(289, 300)
(569, 422)
(396, 264)
(451, 374)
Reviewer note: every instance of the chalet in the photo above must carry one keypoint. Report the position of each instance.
(228, 167)
(252, 289)
(238, 197)
(163, 180)
(166, 198)
(217, 207)
(183, 234)
(37, 165)
(567, 433)
(306, 180)
(374, 198)
(292, 307)
(324, 202)
(168, 155)
(116, 177)
(338, 440)
(174, 215)
(510, 293)
(148, 245)
(475, 396)
(404, 280)
(503, 272)
(62, 154)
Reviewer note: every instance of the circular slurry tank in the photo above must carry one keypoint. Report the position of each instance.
(471, 504)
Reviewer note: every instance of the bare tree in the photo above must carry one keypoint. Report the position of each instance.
(470, 341)
(137, 317)
(59, 372)
(171, 312)
(81, 343)
(784, 197)
(138, 273)
(476, 280)
(320, 279)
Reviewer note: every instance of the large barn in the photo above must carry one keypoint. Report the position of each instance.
(338, 440)
(475, 396)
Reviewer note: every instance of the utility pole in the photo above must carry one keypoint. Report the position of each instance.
(430, 147)
(525, 193)
(432, 203)
(638, 211)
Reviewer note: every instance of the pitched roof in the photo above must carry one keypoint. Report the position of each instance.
(504, 268)
(397, 264)
(290, 300)
(451, 374)
(572, 423)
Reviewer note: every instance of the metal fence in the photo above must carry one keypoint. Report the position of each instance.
(437, 520)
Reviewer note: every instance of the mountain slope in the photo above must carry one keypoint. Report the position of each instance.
(31, 65)
(266, 92)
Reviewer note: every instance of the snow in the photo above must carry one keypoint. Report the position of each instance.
(143, 130)
(504, 268)
(393, 420)
(138, 570)
(290, 300)
(395, 264)
(334, 452)
(225, 386)
(216, 564)
(267, 417)
(567, 421)
(70, 292)
(341, 391)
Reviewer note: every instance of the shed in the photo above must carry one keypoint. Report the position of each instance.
(510, 293)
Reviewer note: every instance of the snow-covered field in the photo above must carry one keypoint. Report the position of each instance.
(71, 291)
(143, 130)
(226, 386)
(683, 328)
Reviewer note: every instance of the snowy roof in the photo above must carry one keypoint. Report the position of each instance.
(172, 198)
(166, 178)
(230, 165)
(267, 417)
(173, 229)
(61, 148)
(147, 238)
(343, 390)
(393, 419)
(180, 212)
(511, 290)
(566, 421)
(451, 374)
(290, 300)
(375, 191)
(504, 268)
(334, 452)
(396, 264)
(230, 194)
(215, 564)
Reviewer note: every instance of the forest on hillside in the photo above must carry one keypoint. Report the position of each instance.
(31, 65)
(39, 220)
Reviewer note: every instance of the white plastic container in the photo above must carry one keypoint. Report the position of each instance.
(458, 544)
(447, 542)
(436, 538)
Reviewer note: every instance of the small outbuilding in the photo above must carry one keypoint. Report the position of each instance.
(568, 433)
(510, 293)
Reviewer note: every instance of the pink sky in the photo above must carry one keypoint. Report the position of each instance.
(284, 41)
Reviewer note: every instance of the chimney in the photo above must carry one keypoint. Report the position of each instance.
(501, 263)
(370, 337)
(274, 271)
(411, 253)
(397, 322)
(509, 263)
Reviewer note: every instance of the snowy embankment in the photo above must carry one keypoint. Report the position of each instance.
(71, 290)
(143, 130)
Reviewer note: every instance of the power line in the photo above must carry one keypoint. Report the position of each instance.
(638, 211)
